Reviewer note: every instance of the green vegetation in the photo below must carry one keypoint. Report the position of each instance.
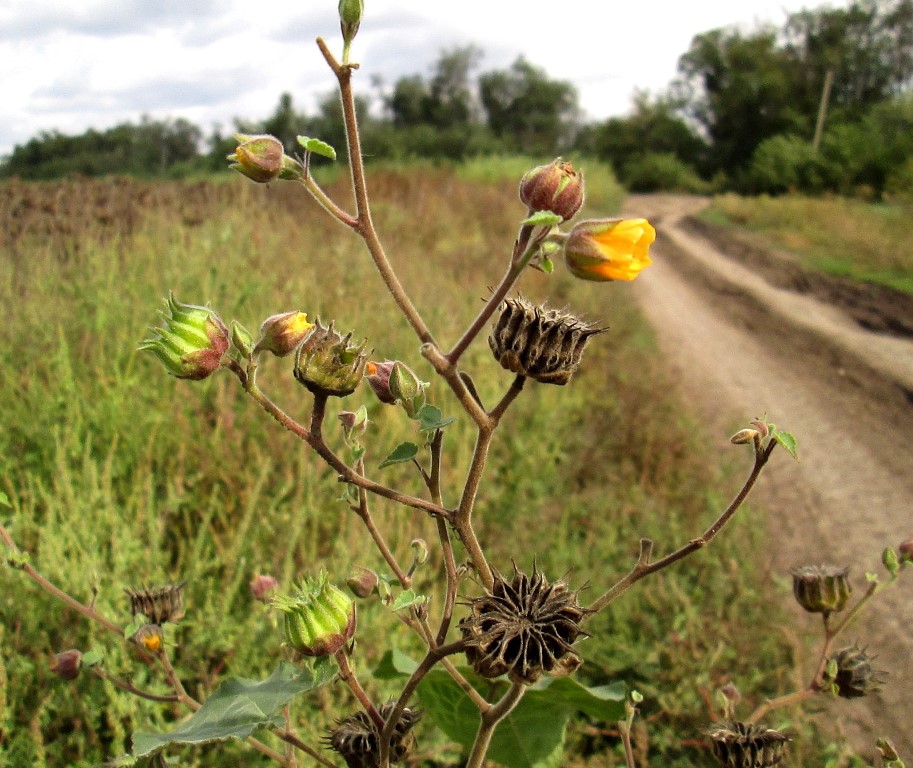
(119, 476)
(864, 241)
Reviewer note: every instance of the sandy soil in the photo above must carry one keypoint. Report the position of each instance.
(743, 341)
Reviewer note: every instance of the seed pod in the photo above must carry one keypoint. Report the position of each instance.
(854, 676)
(357, 738)
(328, 363)
(544, 344)
(821, 588)
(158, 604)
(522, 628)
(737, 745)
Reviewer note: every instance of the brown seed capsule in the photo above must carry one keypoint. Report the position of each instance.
(737, 745)
(854, 676)
(544, 344)
(158, 604)
(522, 627)
(821, 588)
(357, 738)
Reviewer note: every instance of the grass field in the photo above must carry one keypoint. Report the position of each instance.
(841, 236)
(120, 476)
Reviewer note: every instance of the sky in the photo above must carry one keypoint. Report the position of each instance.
(68, 65)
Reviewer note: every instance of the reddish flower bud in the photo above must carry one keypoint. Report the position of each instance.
(378, 376)
(262, 587)
(260, 158)
(555, 187)
(66, 665)
(361, 581)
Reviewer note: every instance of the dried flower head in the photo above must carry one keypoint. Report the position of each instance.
(522, 628)
(821, 588)
(328, 363)
(357, 737)
(158, 604)
(851, 673)
(544, 344)
(737, 745)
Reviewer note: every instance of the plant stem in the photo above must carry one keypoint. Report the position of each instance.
(364, 512)
(490, 720)
(644, 567)
(348, 676)
(462, 520)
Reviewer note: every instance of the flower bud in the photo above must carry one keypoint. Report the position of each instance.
(319, 617)
(350, 13)
(158, 604)
(281, 334)
(150, 637)
(419, 551)
(260, 158)
(544, 344)
(361, 581)
(851, 673)
(191, 343)
(262, 587)
(555, 187)
(378, 376)
(737, 745)
(407, 388)
(328, 364)
(905, 551)
(744, 436)
(67, 664)
(821, 588)
(609, 249)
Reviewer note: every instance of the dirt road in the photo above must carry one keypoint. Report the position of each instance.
(741, 347)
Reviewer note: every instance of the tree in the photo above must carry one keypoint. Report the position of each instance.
(527, 110)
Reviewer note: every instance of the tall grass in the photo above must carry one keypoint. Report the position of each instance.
(841, 236)
(120, 476)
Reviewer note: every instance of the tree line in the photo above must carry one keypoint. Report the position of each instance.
(821, 103)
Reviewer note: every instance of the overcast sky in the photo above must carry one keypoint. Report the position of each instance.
(68, 65)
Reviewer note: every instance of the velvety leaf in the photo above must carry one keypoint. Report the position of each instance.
(317, 146)
(430, 418)
(402, 453)
(788, 441)
(394, 664)
(406, 599)
(4, 500)
(239, 707)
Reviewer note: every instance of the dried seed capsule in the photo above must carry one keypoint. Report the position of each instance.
(357, 738)
(158, 604)
(544, 344)
(522, 628)
(853, 674)
(737, 745)
(821, 588)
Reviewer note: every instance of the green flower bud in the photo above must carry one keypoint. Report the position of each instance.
(821, 588)
(328, 364)
(350, 13)
(67, 664)
(281, 334)
(407, 388)
(191, 343)
(555, 187)
(319, 617)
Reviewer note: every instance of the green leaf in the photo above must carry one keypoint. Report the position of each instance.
(239, 707)
(546, 265)
(543, 219)
(4, 500)
(530, 736)
(395, 664)
(430, 418)
(890, 561)
(358, 452)
(406, 599)
(92, 657)
(16, 557)
(317, 146)
(402, 453)
(788, 441)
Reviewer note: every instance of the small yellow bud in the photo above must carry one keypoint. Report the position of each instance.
(609, 249)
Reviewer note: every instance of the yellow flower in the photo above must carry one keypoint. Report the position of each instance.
(281, 334)
(609, 249)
